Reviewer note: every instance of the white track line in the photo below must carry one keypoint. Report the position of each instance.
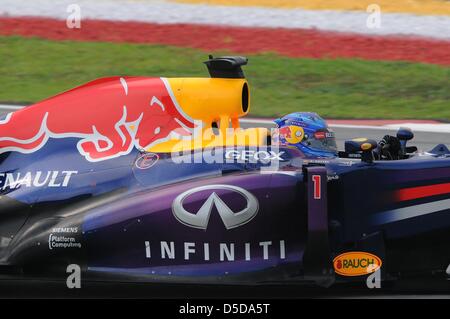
(256, 121)
(426, 127)
(436, 128)
(169, 13)
(10, 107)
(431, 128)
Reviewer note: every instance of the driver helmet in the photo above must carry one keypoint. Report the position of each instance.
(308, 132)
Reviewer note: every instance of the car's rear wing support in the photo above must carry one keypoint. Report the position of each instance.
(317, 263)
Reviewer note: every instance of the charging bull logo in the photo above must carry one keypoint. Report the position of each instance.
(292, 134)
(108, 116)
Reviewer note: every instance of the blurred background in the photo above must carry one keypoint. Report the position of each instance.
(344, 59)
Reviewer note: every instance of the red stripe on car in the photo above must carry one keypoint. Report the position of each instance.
(422, 191)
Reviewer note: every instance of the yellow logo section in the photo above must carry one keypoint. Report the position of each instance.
(292, 134)
(356, 263)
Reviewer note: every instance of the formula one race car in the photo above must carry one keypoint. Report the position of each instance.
(153, 180)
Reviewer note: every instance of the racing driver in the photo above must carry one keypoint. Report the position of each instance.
(308, 132)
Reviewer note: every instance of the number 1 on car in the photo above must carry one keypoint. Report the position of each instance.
(317, 180)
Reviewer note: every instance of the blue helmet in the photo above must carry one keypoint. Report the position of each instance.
(308, 132)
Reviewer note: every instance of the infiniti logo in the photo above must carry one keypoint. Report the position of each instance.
(230, 219)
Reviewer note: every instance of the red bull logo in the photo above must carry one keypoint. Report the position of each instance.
(285, 131)
(109, 117)
(292, 134)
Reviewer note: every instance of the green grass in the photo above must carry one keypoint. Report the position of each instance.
(33, 69)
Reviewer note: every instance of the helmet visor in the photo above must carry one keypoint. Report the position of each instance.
(323, 141)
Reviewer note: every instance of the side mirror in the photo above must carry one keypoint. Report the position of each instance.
(361, 146)
(405, 134)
